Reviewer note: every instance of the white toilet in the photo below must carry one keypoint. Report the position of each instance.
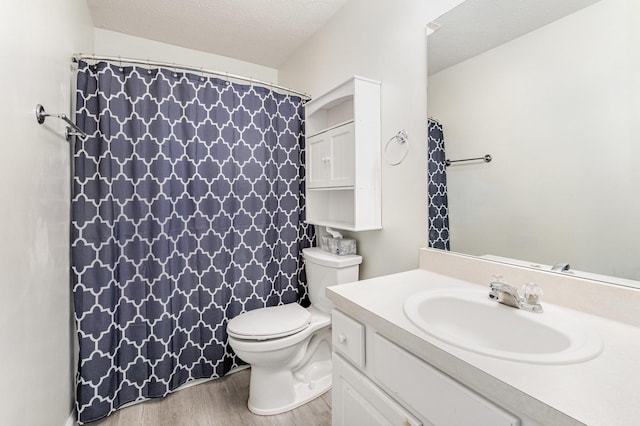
(289, 347)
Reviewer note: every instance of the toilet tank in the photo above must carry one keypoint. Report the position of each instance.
(325, 269)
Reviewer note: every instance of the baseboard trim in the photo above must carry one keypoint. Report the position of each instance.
(71, 420)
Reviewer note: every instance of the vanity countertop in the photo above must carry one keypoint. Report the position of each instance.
(602, 391)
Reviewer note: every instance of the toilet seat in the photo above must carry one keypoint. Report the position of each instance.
(269, 323)
(318, 321)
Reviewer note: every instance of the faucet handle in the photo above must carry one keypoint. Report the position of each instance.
(532, 293)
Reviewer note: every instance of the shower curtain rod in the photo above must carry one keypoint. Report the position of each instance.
(80, 56)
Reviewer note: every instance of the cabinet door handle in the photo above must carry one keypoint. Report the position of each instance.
(342, 338)
(326, 159)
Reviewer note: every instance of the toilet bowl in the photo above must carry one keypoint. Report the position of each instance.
(288, 346)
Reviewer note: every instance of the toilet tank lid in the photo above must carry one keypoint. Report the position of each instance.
(321, 257)
(271, 322)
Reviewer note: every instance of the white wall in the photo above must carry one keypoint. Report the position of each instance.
(38, 38)
(383, 40)
(559, 111)
(110, 43)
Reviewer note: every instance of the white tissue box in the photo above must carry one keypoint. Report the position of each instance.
(339, 246)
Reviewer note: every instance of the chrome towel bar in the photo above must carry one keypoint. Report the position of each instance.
(41, 114)
(487, 159)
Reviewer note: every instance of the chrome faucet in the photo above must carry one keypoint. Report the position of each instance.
(509, 295)
(561, 267)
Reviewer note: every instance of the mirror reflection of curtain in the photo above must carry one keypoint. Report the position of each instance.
(188, 210)
(437, 189)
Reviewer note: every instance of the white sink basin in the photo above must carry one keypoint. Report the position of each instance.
(466, 318)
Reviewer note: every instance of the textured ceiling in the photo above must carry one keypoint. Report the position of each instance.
(476, 26)
(264, 32)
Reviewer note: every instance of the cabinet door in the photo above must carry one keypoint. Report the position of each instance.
(357, 401)
(331, 158)
(430, 393)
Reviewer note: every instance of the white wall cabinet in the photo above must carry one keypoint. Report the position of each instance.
(343, 157)
(389, 386)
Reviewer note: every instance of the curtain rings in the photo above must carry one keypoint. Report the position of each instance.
(93, 66)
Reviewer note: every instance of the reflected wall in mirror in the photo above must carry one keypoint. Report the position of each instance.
(558, 108)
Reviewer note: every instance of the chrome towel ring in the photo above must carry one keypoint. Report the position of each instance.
(402, 138)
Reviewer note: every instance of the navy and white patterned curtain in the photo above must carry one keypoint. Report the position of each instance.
(437, 189)
(187, 210)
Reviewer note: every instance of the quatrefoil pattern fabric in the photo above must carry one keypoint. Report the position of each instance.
(437, 188)
(187, 210)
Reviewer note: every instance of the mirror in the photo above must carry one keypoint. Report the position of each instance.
(551, 90)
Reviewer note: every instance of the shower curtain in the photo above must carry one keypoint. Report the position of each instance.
(187, 210)
(437, 188)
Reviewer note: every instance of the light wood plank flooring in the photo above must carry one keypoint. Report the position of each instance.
(221, 402)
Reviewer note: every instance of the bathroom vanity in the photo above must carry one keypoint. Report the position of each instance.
(387, 370)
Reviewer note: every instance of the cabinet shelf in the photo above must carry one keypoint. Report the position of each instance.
(334, 188)
(321, 131)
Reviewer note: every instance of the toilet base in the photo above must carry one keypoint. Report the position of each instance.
(304, 386)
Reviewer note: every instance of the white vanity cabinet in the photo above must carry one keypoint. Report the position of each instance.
(343, 156)
(386, 385)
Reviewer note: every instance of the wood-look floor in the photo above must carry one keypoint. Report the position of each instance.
(221, 402)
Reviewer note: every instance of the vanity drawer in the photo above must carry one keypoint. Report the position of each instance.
(429, 392)
(347, 337)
